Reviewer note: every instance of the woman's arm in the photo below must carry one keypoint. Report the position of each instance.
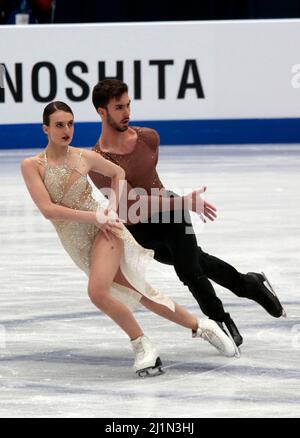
(42, 200)
(52, 211)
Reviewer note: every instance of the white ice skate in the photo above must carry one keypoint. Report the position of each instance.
(147, 362)
(211, 332)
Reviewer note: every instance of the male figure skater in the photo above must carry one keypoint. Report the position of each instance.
(135, 149)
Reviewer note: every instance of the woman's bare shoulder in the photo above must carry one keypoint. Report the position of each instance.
(33, 162)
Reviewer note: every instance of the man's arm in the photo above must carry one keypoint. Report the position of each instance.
(136, 205)
(100, 181)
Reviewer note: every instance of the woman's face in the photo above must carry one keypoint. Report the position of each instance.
(61, 128)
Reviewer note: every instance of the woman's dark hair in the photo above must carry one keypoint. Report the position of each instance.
(106, 90)
(52, 107)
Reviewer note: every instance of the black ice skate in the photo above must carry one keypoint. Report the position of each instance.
(228, 326)
(147, 362)
(265, 295)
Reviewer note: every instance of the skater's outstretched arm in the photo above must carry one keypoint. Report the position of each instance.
(135, 207)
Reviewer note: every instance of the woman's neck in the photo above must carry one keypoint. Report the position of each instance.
(56, 152)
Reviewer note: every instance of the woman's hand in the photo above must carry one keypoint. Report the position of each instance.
(194, 202)
(108, 221)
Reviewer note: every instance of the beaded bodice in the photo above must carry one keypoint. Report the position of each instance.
(68, 186)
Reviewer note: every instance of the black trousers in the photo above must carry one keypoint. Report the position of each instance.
(194, 267)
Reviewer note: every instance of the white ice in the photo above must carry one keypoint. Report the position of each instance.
(60, 357)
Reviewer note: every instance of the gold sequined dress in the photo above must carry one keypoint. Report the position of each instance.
(78, 238)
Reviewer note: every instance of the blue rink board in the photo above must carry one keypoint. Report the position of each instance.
(175, 132)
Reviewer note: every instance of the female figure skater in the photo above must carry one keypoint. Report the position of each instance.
(99, 243)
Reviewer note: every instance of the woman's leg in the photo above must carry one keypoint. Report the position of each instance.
(206, 329)
(105, 262)
(181, 316)
(202, 328)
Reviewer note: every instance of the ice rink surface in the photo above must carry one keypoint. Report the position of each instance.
(61, 357)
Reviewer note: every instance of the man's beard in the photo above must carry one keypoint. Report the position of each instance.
(115, 125)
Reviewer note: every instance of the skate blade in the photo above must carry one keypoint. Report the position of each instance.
(150, 372)
(283, 314)
(237, 350)
(157, 370)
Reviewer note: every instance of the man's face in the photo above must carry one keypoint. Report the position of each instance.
(117, 113)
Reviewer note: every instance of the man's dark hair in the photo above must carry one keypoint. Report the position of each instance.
(106, 90)
(52, 107)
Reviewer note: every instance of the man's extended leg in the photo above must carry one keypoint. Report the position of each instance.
(251, 285)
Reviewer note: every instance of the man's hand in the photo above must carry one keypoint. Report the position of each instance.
(204, 209)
